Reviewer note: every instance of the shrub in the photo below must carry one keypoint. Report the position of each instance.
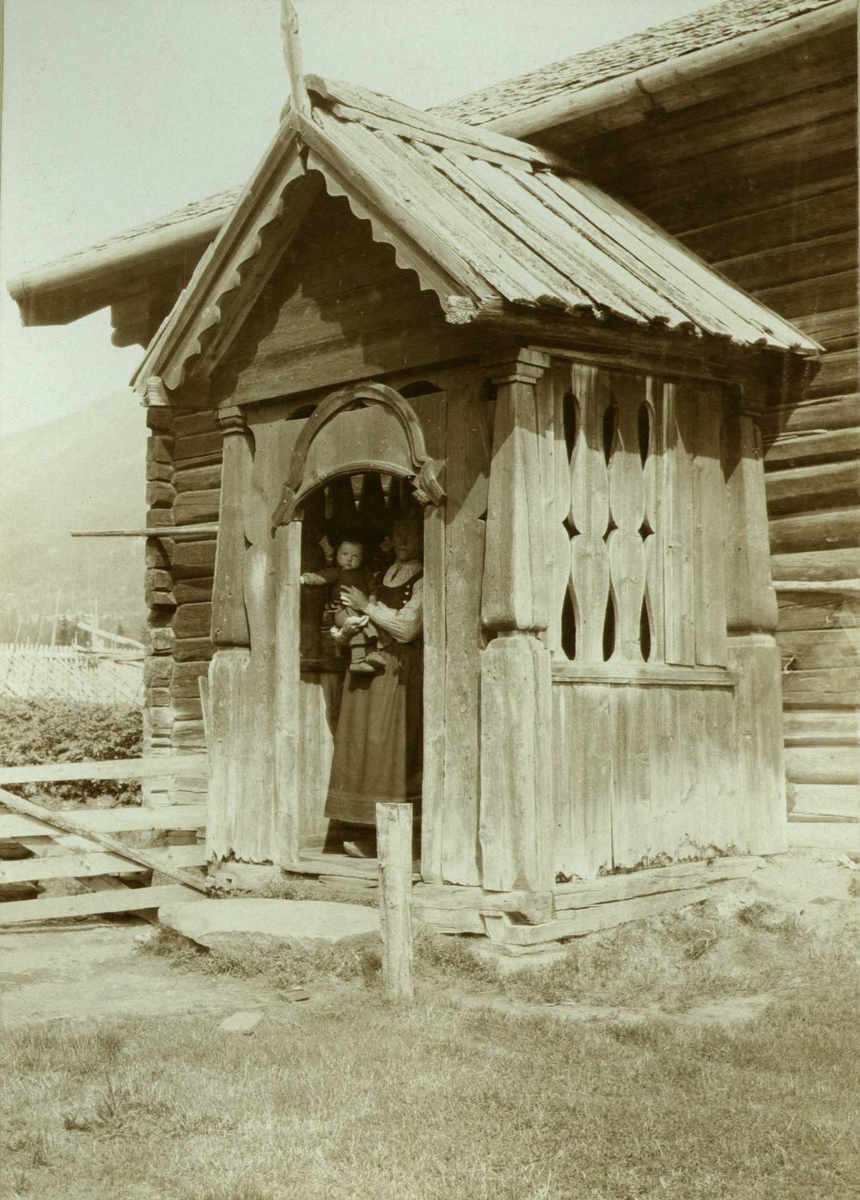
(49, 731)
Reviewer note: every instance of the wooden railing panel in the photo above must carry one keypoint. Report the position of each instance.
(589, 512)
(627, 508)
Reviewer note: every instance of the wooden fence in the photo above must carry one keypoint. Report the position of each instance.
(39, 844)
(68, 673)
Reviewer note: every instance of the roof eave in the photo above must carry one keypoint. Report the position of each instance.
(582, 328)
(72, 288)
(630, 98)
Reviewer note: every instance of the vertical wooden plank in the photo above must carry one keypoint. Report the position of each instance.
(751, 614)
(759, 744)
(555, 481)
(516, 700)
(668, 773)
(257, 827)
(627, 509)
(709, 546)
(677, 525)
(589, 512)
(320, 702)
(515, 584)
(562, 797)
(394, 840)
(750, 598)
(228, 748)
(252, 822)
(682, 843)
(632, 826)
(700, 788)
(516, 786)
(589, 737)
(722, 769)
(432, 413)
(229, 620)
(435, 685)
(467, 485)
(652, 479)
(287, 708)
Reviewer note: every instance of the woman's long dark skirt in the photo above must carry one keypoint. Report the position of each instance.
(378, 745)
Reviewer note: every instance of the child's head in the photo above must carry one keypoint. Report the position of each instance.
(349, 554)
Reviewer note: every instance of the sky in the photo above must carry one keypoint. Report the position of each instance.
(116, 111)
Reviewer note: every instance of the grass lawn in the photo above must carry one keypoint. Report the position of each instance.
(357, 1098)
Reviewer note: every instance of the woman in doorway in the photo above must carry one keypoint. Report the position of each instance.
(378, 741)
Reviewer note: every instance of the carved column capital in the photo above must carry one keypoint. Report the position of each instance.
(155, 393)
(231, 419)
(520, 365)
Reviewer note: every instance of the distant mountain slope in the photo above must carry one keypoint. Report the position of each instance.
(85, 471)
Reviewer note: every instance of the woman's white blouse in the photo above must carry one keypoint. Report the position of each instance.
(405, 624)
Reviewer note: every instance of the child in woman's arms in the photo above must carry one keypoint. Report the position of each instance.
(347, 623)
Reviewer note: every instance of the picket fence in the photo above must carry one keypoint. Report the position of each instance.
(70, 673)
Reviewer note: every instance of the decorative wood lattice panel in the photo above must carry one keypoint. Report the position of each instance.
(634, 498)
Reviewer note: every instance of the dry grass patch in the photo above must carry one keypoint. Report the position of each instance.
(354, 1099)
(372, 1101)
(672, 963)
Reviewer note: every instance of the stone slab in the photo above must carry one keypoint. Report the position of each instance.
(241, 1022)
(232, 925)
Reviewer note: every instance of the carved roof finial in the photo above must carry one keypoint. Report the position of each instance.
(293, 58)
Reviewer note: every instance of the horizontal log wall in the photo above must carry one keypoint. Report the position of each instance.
(183, 482)
(762, 183)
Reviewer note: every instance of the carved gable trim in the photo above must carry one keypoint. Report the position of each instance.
(329, 446)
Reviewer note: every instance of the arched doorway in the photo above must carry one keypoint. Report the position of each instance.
(360, 454)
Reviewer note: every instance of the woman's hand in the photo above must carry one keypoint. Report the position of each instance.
(354, 598)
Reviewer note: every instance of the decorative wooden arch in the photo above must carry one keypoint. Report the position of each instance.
(323, 450)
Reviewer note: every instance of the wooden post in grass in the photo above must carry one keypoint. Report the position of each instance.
(394, 842)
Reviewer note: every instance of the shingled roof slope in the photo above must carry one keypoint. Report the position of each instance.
(660, 43)
(488, 223)
(77, 284)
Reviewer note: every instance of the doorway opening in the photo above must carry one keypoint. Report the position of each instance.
(361, 679)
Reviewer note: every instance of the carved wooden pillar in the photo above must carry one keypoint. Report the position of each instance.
(229, 618)
(230, 733)
(287, 559)
(751, 618)
(516, 698)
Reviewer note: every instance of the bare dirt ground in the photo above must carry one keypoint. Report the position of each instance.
(58, 972)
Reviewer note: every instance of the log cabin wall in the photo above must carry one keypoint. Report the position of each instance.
(762, 183)
(183, 453)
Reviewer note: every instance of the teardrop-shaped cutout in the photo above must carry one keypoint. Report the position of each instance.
(609, 629)
(643, 430)
(568, 626)
(645, 633)
(570, 419)
(610, 426)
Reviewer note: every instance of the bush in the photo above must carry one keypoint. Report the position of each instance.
(49, 731)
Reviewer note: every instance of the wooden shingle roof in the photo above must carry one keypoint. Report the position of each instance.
(673, 40)
(81, 283)
(486, 222)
